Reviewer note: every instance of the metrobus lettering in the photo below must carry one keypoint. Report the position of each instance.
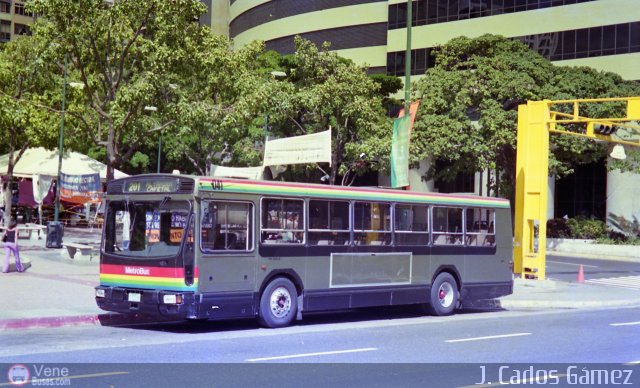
(137, 271)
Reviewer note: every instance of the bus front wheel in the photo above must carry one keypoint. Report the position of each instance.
(278, 303)
(444, 295)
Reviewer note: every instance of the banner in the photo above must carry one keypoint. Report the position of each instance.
(400, 152)
(237, 172)
(413, 109)
(80, 188)
(303, 149)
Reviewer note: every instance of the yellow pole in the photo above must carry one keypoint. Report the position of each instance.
(532, 171)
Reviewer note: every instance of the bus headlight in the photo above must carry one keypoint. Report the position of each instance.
(100, 293)
(172, 299)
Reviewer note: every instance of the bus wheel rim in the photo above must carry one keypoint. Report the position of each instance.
(445, 294)
(280, 302)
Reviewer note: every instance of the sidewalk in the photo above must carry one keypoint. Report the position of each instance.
(58, 291)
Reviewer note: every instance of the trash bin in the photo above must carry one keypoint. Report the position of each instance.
(55, 230)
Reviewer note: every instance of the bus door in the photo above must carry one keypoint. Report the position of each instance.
(227, 244)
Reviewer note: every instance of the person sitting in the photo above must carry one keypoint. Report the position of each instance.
(10, 244)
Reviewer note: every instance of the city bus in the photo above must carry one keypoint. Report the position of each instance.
(190, 247)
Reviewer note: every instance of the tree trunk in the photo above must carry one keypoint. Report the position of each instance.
(111, 153)
(11, 163)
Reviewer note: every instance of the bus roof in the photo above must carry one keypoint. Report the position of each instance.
(208, 184)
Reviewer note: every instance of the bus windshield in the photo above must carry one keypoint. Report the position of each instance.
(145, 229)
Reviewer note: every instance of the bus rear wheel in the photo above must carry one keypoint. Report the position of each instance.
(278, 303)
(444, 295)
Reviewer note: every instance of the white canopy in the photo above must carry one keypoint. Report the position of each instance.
(39, 161)
(237, 172)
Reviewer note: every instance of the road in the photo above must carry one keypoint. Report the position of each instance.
(566, 268)
(373, 348)
(395, 341)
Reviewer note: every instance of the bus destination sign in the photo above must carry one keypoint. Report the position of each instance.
(152, 186)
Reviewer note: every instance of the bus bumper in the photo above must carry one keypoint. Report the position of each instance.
(486, 290)
(170, 304)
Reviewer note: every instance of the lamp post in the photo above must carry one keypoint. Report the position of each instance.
(77, 85)
(151, 108)
(54, 229)
(407, 59)
(61, 142)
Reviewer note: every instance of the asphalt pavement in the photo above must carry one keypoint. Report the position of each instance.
(57, 290)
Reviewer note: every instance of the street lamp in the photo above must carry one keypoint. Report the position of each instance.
(75, 85)
(151, 108)
(54, 229)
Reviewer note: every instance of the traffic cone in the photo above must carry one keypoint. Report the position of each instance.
(580, 275)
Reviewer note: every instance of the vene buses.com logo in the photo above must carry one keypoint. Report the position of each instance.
(18, 374)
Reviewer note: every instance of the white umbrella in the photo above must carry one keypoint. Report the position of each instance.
(39, 161)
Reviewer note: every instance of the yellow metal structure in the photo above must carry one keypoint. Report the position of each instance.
(536, 120)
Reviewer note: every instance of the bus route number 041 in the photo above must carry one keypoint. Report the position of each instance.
(217, 184)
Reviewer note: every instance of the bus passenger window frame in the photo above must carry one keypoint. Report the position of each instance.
(409, 231)
(334, 231)
(368, 237)
(226, 237)
(451, 234)
(287, 223)
(482, 231)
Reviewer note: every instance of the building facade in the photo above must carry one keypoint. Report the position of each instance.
(602, 34)
(14, 20)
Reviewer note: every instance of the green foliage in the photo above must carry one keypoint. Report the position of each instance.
(323, 90)
(586, 228)
(219, 107)
(558, 228)
(468, 116)
(583, 228)
(127, 56)
(579, 227)
(25, 117)
(387, 84)
(618, 239)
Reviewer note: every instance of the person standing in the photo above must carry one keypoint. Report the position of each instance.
(10, 243)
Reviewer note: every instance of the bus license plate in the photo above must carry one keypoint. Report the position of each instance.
(134, 297)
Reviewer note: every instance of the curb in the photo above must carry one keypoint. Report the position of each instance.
(47, 322)
(109, 319)
(513, 304)
(629, 259)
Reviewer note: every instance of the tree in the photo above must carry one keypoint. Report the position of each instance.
(25, 119)
(128, 55)
(468, 116)
(328, 91)
(225, 94)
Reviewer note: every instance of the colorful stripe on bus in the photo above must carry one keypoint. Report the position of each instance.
(345, 193)
(140, 276)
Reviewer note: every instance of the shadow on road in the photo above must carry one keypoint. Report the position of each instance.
(143, 322)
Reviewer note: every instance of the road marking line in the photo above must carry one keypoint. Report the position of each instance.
(573, 264)
(311, 354)
(488, 337)
(625, 324)
(629, 282)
